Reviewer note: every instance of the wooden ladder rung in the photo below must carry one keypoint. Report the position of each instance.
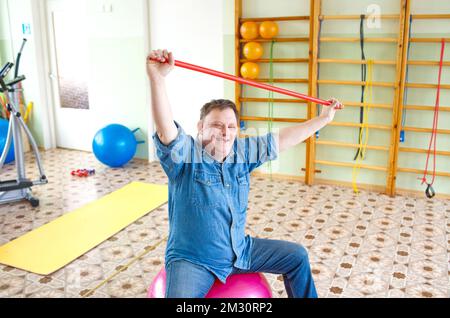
(425, 85)
(419, 171)
(348, 145)
(375, 105)
(430, 16)
(426, 130)
(428, 63)
(357, 83)
(371, 126)
(419, 150)
(366, 40)
(302, 39)
(350, 165)
(428, 40)
(283, 80)
(287, 18)
(431, 108)
(356, 17)
(300, 60)
(349, 61)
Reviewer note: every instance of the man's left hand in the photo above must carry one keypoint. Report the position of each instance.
(329, 111)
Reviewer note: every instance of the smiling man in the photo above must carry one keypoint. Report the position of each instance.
(209, 181)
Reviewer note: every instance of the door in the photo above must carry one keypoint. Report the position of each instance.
(69, 73)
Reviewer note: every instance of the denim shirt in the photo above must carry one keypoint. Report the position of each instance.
(208, 200)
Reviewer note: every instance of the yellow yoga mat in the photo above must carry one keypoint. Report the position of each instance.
(55, 244)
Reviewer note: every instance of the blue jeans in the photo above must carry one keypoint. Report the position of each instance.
(188, 280)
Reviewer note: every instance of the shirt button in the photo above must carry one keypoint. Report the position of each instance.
(209, 182)
(227, 185)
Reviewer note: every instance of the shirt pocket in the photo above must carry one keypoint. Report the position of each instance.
(207, 189)
(244, 188)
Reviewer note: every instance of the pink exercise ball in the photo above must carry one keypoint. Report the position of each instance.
(252, 285)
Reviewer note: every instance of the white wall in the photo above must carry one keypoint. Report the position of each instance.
(193, 31)
(118, 88)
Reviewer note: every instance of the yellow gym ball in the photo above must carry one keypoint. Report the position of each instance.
(253, 50)
(250, 70)
(249, 30)
(268, 29)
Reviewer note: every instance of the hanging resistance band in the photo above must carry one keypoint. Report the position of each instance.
(363, 79)
(26, 117)
(429, 192)
(405, 94)
(270, 108)
(367, 101)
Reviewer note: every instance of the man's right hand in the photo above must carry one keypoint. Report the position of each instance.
(157, 66)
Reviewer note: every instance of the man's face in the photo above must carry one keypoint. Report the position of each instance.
(218, 131)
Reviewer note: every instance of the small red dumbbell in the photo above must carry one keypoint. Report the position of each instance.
(82, 172)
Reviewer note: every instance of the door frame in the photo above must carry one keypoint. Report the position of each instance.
(41, 32)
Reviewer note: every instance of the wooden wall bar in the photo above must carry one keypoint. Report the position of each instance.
(401, 62)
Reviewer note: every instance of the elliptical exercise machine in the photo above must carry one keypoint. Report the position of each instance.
(19, 189)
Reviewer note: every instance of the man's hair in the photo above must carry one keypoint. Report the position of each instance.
(220, 104)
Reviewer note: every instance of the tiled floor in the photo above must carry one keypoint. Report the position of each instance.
(366, 245)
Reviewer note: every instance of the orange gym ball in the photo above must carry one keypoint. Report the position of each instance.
(250, 70)
(249, 30)
(253, 50)
(268, 29)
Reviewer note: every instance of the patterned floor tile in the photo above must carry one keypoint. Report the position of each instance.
(359, 245)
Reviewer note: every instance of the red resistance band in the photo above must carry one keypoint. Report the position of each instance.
(429, 192)
(251, 83)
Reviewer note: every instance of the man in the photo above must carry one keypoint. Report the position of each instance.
(209, 179)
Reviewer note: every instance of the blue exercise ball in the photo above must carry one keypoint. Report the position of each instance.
(3, 133)
(114, 145)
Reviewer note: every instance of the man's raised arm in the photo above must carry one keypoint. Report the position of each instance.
(157, 70)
